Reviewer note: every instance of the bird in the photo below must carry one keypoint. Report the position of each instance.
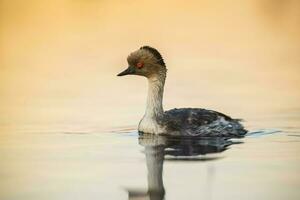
(148, 62)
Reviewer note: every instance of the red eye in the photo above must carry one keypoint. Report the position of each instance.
(139, 65)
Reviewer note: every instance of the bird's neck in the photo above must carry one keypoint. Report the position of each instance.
(155, 96)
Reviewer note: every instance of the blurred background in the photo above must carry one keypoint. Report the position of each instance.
(68, 123)
(59, 59)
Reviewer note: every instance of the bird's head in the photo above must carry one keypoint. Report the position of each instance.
(145, 61)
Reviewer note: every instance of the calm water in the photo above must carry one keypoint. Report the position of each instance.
(118, 164)
(68, 124)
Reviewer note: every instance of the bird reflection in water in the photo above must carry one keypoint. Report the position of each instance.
(160, 148)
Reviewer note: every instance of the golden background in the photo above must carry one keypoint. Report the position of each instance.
(59, 58)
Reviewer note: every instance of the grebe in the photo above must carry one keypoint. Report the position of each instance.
(148, 62)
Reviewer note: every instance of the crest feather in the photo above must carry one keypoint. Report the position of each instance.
(155, 53)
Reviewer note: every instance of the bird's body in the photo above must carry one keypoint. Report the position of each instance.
(148, 62)
(200, 122)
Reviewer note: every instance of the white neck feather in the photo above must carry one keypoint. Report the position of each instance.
(155, 96)
(154, 107)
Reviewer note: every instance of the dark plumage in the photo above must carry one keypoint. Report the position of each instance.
(155, 53)
(200, 122)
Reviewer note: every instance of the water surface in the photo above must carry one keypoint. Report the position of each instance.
(113, 165)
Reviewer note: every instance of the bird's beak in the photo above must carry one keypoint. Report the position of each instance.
(129, 70)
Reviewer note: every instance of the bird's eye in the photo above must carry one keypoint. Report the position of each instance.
(139, 65)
